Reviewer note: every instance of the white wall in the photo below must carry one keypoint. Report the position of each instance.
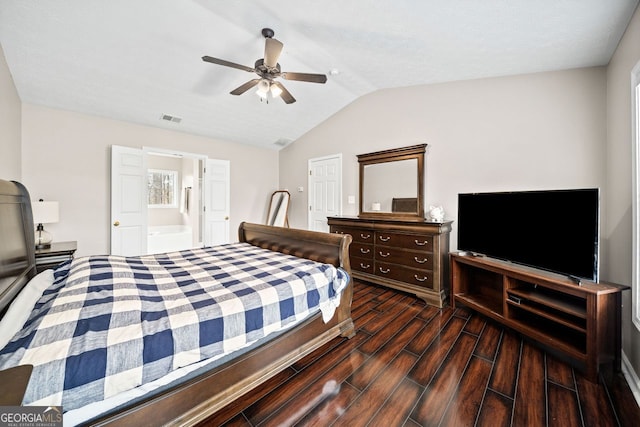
(536, 131)
(618, 227)
(10, 121)
(66, 157)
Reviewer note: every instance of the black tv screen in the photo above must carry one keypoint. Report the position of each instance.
(554, 230)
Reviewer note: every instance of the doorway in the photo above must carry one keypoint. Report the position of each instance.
(174, 202)
(325, 190)
(159, 201)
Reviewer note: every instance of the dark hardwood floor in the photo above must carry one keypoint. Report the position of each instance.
(410, 364)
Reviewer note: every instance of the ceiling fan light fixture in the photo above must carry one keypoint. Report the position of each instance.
(263, 88)
(275, 90)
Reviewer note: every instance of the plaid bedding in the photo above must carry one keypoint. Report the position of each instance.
(111, 323)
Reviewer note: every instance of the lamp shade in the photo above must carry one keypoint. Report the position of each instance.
(45, 212)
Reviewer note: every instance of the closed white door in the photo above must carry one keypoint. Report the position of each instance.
(128, 201)
(325, 190)
(216, 202)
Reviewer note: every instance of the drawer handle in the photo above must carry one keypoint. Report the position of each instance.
(424, 242)
(382, 270)
(384, 239)
(420, 279)
(339, 232)
(420, 261)
(365, 237)
(364, 251)
(384, 255)
(364, 266)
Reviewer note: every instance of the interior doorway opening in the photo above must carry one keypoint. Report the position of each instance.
(174, 202)
(164, 201)
(325, 191)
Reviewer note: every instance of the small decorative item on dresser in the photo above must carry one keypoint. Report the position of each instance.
(436, 213)
(57, 253)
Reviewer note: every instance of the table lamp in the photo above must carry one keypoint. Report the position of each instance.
(44, 213)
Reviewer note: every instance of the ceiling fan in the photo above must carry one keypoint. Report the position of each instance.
(268, 70)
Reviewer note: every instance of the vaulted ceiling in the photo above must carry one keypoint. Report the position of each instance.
(137, 60)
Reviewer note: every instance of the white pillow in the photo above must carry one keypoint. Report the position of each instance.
(21, 307)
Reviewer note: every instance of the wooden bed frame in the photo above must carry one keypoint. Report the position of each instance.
(202, 396)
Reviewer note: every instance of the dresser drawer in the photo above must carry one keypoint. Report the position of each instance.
(415, 259)
(358, 235)
(362, 264)
(422, 278)
(361, 250)
(422, 242)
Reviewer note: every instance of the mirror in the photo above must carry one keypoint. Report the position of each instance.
(392, 183)
(279, 209)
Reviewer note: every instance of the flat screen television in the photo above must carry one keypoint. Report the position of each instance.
(555, 230)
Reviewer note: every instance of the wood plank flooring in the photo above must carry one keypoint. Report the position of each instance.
(410, 364)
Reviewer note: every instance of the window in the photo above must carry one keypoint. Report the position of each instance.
(162, 187)
(635, 151)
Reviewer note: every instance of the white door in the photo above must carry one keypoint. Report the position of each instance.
(216, 202)
(325, 190)
(128, 201)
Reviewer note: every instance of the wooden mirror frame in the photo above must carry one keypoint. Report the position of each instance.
(278, 213)
(393, 155)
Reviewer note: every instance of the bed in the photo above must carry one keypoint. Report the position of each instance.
(197, 396)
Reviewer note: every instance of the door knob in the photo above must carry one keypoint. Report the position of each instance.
(226, 218)
(116, 223)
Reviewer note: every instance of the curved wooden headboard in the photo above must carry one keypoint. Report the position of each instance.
(17, 247)
(316, 246)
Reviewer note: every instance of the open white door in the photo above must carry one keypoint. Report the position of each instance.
(216, 202)
(325, 190)
(128, 201)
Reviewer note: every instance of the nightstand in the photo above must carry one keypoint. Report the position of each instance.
(58, 252)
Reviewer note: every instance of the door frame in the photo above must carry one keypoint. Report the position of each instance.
(311, 192)
(177, 153)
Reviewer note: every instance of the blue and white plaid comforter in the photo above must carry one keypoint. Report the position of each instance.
(111, 323)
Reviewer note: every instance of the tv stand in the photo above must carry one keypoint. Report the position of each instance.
(580, 322)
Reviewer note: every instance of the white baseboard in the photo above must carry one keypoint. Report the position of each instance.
(632, 377)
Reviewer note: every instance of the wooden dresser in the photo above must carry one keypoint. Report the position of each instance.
(408, 255)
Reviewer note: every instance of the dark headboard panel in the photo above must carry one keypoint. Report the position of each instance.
(322, 247)
(17, 247)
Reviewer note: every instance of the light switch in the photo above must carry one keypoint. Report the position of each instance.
(351, 200)
(300, 189)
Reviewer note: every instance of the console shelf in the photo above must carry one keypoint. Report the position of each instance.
(480, 302)
(581, 322)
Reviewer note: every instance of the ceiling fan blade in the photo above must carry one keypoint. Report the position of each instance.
(227, 63)
(245, 87)
(285, 95)
(305, 77)
(272, 50)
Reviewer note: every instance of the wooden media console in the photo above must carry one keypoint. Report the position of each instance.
(579, 321)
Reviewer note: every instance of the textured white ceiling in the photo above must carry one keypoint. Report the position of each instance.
(135, 60)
